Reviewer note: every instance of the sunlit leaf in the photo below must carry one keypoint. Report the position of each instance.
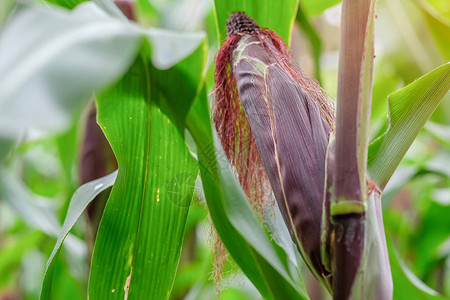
(314, 7)
(409, 109)
(439, 26)
(143, 223)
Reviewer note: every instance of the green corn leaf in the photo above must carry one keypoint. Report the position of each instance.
(409, 109)
(66, 3)
(81, 198)
(234, 219)
(276, 15)
(140, 235)
(314, 7)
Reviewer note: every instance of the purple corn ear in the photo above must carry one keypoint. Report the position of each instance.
(96, 160)
(264, 101)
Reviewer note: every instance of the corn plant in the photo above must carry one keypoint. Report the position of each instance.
(289, 179)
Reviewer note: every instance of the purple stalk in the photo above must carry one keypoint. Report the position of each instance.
(96, 160)
(351, 244)
(347, 202)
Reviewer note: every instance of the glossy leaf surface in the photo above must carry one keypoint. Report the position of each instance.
(142, 228)
(82, 197)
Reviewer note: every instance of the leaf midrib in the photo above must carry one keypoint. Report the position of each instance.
(146, 169)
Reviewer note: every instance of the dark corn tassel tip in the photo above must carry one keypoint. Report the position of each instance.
(240, 23)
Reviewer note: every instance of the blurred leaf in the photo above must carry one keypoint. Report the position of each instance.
(236, 223)
(156, 176)
(57, 58)
(66, 55)
(439, 164)
(234, 294)
(12, 253)
(385, 82)
(439, 27)
(146, 12)
(434, 231)
(399, 179)
(20, 198)
(5, 147)
(276, 15)
(66, 3)
(406, 285)
(314, 7)
(440, 5)
(409, 109)
(36, 214)
(170, 47)
(440, 132)
(314, 39)
(68, 145)
(6, 7)
(110, 7)
(82, 197)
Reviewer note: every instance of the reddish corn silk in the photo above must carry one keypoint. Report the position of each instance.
(274, 123)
